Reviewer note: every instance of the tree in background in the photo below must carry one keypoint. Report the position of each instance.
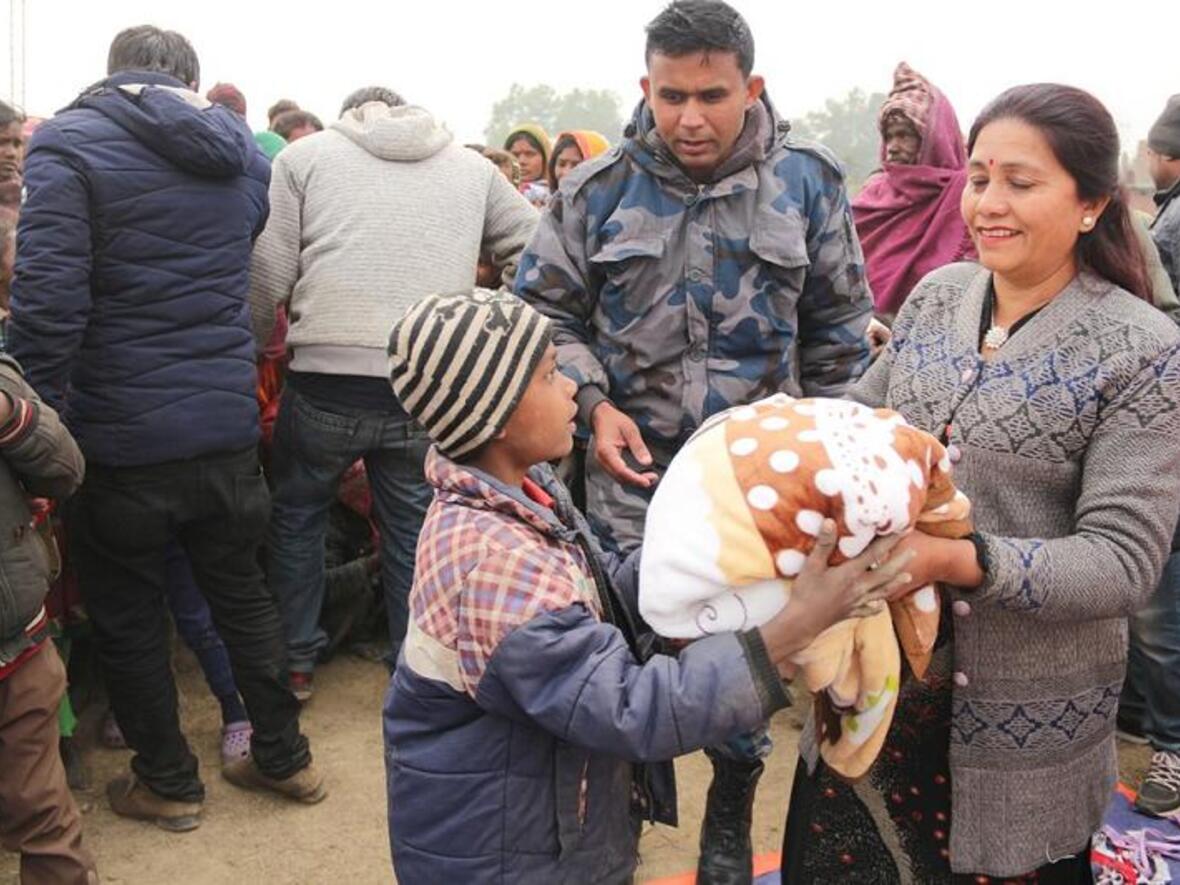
(597, 109)
(847, 127)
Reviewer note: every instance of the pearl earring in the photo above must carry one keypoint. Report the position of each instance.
(1088, 221)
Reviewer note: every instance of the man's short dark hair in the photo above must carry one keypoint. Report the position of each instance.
(10, 115)
(148, 48)
(689, 26)
(280, 107)
(368, 94)
(288, 121)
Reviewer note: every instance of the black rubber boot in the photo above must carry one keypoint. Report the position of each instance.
(727, 855)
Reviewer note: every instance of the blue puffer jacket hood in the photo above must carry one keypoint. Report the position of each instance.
(178, 124)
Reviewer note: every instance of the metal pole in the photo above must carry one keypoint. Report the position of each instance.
(23, 62)
(12, 49)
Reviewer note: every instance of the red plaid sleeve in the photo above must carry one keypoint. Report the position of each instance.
(481, 574)
(508, 588)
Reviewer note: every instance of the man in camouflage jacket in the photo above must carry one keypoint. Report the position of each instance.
(707, 261)
(677, 298)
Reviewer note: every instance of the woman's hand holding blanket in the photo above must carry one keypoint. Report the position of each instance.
(937, 561)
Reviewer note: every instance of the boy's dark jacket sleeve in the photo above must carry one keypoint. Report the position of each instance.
(33, 441)
(575, 677)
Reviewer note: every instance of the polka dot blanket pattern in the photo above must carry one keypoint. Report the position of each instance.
(737, 513)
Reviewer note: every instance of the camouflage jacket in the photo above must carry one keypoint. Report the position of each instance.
(677, 299)
(1165, 231)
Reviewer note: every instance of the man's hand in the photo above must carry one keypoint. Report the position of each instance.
(614, 434)
(879, 335)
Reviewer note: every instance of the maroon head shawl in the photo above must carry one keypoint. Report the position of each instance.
(907, 217)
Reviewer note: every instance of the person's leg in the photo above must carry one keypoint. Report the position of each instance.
(77, 774)
(1132, 704)
(727, 852)
(1155, 647)
(222, 536)
(400, 498)
(571, 470)
(194, 623)
(312, 448)
(615, 511)
(118, 532)
(38, 815)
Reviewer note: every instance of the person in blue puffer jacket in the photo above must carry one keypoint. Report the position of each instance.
(130, 317)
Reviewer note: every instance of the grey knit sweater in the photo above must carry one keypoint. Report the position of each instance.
(1070, 442)
(366, 219)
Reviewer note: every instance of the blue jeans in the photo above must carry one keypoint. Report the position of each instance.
(194, 623)
(1151, 693)
(312, 449)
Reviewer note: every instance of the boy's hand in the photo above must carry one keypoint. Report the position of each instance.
(615, 433)
(823, 595)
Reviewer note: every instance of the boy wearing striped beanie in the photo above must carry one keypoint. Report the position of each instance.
(526, 700)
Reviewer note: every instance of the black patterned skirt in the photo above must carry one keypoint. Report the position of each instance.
(893, 826)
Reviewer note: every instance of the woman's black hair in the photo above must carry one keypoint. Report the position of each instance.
(1082, 135)
(566, 141)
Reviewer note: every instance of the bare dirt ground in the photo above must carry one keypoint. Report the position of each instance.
(251, 838)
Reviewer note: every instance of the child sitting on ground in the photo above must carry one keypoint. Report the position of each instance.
(523, 699)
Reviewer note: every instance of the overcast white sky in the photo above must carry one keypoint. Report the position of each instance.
(457, 57)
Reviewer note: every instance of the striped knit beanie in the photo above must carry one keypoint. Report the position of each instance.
(460, 363)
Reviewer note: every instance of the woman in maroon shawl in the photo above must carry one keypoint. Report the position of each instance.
(907, 215)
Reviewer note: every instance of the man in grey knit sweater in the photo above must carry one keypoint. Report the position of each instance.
(367, 217)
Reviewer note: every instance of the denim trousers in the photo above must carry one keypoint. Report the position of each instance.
(312, 449)
(194, 623)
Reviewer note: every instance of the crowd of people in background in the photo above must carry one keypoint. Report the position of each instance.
(317, 385)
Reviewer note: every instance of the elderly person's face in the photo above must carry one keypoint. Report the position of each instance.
(12, 149)
(1022, 206)
(901, 140)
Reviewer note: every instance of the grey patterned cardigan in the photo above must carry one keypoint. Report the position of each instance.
(1070, 451)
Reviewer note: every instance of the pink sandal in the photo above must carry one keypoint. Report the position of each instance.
(235, 741)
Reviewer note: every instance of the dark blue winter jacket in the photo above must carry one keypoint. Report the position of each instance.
(524, 735)
(129, 310)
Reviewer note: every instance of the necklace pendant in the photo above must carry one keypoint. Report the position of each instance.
(995, 338)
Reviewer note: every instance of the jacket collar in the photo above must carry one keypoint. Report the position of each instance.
(472, 487)
(1164, 197)
(762, 130)
(127, 78)
(1072, 301)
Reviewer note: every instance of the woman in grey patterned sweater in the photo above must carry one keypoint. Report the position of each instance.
(1057, 388)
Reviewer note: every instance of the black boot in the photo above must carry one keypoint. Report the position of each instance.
(727, 855)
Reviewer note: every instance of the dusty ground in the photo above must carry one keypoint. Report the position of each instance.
(250, 838)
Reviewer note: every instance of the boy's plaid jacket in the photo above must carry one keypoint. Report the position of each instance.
(517, 714)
